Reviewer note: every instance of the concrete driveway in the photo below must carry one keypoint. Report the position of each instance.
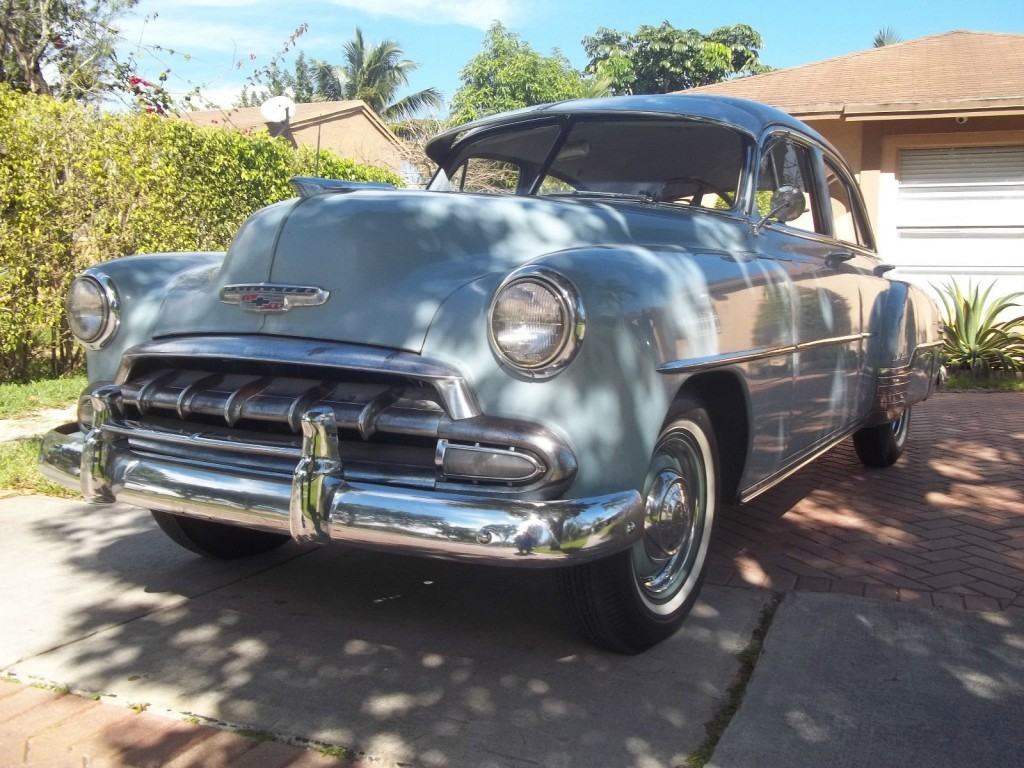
(408, 661)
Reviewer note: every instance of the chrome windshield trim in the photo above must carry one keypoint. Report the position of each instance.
(448, 381)
(693, 364)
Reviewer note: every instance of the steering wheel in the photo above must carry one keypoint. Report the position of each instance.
(703, 187)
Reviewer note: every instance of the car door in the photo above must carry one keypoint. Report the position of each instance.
(828, 353)
(857, 270)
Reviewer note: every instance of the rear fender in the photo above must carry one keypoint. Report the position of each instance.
(904, 351)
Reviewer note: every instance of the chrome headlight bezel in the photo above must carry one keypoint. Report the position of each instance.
(110, 319)
(571, 305)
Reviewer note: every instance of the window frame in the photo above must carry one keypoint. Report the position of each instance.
(821, 219)
(747, 171)
(858, 209)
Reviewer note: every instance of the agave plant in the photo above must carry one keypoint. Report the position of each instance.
(975, 339)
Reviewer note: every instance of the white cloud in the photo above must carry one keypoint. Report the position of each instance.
(466, 13)
(191, 36)
(223, 96)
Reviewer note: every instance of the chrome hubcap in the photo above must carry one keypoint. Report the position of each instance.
(901, 425)
(674, 519)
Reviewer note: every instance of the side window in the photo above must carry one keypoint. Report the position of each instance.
(481, 174)
(844, 220)
(786, 163)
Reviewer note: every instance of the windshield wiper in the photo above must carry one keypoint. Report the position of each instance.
(637, 197)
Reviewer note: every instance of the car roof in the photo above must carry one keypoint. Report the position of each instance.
(750, 117)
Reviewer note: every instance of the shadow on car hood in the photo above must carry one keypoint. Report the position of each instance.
(390, 258)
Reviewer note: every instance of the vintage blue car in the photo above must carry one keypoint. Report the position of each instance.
(602, 321)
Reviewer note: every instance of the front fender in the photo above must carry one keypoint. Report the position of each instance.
(643, 306)
(142, 282)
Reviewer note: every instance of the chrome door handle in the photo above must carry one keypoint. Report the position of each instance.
(835, 258)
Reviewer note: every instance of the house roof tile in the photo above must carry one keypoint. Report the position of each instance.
(954, 71)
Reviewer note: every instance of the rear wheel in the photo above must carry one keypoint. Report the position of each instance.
(216, 540)
(882, 445)
(633, 600)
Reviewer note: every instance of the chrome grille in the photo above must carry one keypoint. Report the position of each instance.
(393, 427)
(235, 399)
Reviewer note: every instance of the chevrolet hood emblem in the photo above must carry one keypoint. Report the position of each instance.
(272, 297)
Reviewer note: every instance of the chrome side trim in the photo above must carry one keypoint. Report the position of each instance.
(694, 364)
(832, 341)
(482, 529)
(451, 386)
(795, 466)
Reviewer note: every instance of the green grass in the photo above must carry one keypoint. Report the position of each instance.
(19, 470)
(959, 381)
(18, 400)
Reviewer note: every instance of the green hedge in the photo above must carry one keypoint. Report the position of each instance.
(78, 187)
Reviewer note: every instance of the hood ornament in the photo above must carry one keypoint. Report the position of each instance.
(272, 297)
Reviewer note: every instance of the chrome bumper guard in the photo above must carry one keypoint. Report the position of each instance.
(318, 505)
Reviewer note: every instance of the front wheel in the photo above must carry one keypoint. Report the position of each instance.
(634, 600)
(882, 445)
(216, 540)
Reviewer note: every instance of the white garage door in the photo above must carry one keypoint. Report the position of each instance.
(960, 214)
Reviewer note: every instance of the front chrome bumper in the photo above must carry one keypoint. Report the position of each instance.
(318, 505)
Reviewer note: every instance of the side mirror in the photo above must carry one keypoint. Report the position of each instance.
(788, 203)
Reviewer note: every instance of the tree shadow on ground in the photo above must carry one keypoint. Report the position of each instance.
(947, 518)
(407, 660)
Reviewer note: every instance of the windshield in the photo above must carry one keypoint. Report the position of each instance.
(678, 161)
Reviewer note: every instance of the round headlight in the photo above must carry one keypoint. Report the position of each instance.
(536, 322)
(91, 315)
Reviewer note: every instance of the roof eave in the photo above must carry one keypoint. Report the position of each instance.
(908, 110)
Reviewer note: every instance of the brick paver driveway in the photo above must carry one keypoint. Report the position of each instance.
(945, 525)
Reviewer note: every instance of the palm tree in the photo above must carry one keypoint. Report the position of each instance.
(886, 36)
(373, 73)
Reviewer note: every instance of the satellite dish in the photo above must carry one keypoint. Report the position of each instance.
(278, 109)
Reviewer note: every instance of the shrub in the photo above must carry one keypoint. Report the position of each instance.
(78, 187)
(975, 339)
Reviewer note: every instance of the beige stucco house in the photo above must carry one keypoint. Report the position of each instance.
(348, 128)
(934, 130)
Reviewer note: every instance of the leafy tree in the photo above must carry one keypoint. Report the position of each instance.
(663, 58)
(509, 74)
(278, 81)
(886, 36)
(302, 82)
(375, 74)
(61, 48)
(79, 186)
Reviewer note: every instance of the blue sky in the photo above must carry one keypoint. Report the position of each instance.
(441, 35)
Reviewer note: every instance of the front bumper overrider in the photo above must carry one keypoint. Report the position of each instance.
(318, 504)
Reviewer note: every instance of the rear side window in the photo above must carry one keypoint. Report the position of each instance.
(845, 226)
(787, 163)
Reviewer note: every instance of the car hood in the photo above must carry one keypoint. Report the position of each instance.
(388, 259)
